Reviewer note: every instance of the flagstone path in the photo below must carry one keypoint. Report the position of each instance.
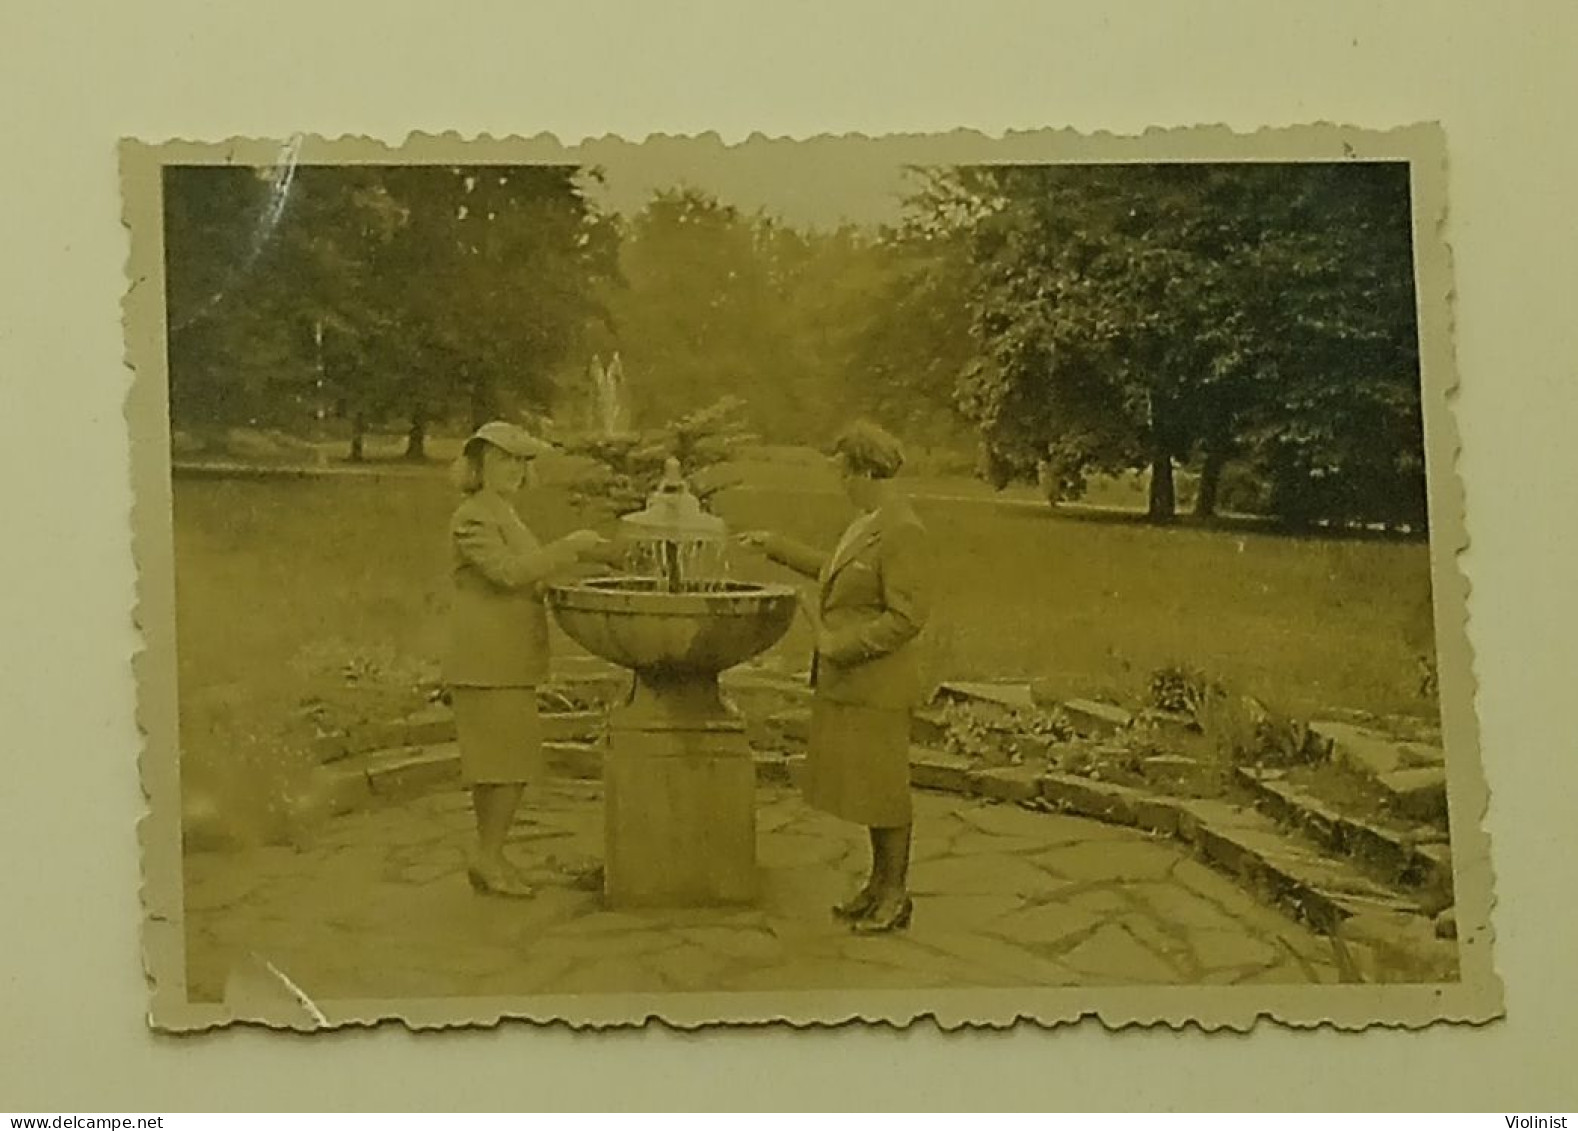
(378, 907)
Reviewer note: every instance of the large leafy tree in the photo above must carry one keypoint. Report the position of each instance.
(229, 362)
(696, 316)
(713, 301)
(501, 269)
(1334, 420)
(330, 283)
(1130, 317)
(387, 293)
(911, 334)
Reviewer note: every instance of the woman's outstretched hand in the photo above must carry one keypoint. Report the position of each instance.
(753, 539)
(608, 553)
(589, 544)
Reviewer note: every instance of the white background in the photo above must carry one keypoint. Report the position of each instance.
(1499, 76)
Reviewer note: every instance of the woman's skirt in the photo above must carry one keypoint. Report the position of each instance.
(858, 763)
(500, 735)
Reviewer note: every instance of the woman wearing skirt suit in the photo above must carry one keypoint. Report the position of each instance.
(870, 607)
(498, 639)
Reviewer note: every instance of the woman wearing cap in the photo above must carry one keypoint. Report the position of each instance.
(498, 644)
(870, 607)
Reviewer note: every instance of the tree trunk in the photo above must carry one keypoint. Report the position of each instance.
(1210, 481)
(416, 437)
(1163, 504)
(484, 404)
(358, 436)
(1164, 499)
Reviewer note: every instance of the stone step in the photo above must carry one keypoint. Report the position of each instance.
(576, 726)
(791, 727)
(1421, 860)
(403, 771)
(1089, 718)
(432, 724)
(940, 770)
(1372, 751)
(928, 728)
(1331, 895)
(437, 726)
(1421, 793)
(930, 769)
(747, 679)
(601, 688)
(408, 770)
(1014, 694)
(400, 773)
(1375, 926)
(1092, 718)
(1411, 774)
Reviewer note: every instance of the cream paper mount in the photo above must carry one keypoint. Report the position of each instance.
(1203, 771)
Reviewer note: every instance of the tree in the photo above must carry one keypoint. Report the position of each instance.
(1131, 317)
(331, 282)
(506, 268)
(1079, 313)
(911, 334)
(695, 315)
(629, 465)
(383, 292)
(1335, 422)
(228, 361)
(823, 324)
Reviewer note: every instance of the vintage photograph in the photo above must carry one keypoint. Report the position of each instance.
(854, 578)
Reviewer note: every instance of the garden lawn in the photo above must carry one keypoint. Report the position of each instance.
(281, 583)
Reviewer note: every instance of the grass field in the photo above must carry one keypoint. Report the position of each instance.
(280, 583)
(1096, 604)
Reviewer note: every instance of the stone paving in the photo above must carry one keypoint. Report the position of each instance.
(378, 906)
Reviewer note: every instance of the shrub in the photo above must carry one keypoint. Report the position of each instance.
(1241, 730)
(628, 465)
(1180, 688)
(250, 770)
(248, 774)
(990, 733)
(344, 685)
(1241, 490)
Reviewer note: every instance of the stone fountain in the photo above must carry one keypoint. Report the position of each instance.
(679, 783)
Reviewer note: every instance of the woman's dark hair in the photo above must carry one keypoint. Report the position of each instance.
(466, 471)
(869, 449)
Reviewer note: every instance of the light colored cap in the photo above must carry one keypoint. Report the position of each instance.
(509, 437)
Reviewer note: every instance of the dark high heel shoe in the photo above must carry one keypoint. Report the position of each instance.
(895, 917)
(856, 906)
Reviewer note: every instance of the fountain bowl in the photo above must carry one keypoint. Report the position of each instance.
(701, 630)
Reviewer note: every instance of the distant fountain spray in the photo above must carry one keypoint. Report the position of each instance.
(610, 402)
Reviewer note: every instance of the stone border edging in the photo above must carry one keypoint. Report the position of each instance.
(1425, 864)
(1376, 934)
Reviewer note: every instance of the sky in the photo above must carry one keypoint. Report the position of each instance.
(819, 183)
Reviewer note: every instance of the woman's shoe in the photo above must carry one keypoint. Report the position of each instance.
(498, 881)
(885, 918)
(856, 906)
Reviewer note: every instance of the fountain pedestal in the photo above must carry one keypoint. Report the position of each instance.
(679, 800)
(680, 786)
